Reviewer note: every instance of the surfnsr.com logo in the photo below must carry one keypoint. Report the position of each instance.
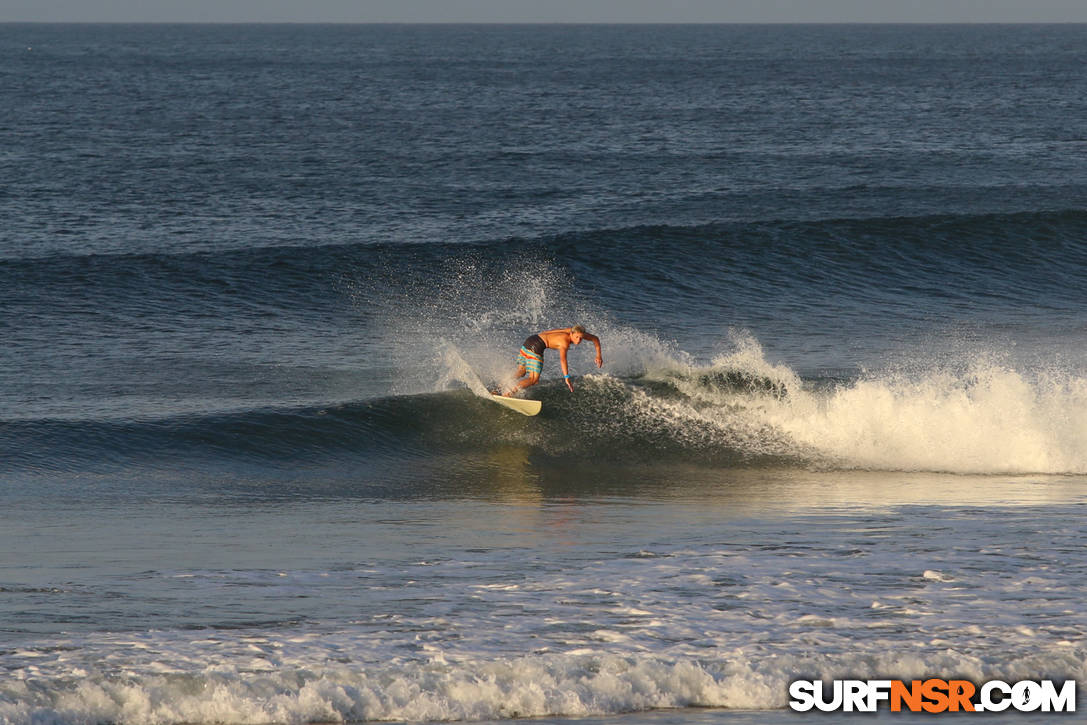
(933, 695)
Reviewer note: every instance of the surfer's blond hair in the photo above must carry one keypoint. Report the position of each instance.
(578, 329)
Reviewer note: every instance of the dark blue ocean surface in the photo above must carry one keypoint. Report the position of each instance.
(254, 278)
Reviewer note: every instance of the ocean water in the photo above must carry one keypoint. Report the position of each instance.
(253, 280)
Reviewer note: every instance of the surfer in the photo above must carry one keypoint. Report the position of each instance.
(530, 359)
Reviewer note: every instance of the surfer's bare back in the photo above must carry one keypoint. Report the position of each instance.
(530, 359)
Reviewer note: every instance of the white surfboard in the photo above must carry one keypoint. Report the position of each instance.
(525, 407)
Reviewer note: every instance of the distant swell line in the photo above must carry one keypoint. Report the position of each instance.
(1019, 258)
(1050, 225)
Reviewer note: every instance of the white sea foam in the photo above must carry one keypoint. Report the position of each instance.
(988, 419)
(530, 686)
(984, 418)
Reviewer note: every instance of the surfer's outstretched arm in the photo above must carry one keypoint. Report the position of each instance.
(565, 368)
(596, 341)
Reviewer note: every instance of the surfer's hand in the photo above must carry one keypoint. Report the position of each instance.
(569, 385)
(599, 361)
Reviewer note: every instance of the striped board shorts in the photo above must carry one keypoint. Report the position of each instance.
(532, 362)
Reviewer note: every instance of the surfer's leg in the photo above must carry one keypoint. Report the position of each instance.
(502, 389)
(529, 362)
(528, 382)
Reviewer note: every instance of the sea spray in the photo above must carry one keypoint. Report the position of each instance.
(985, 418)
